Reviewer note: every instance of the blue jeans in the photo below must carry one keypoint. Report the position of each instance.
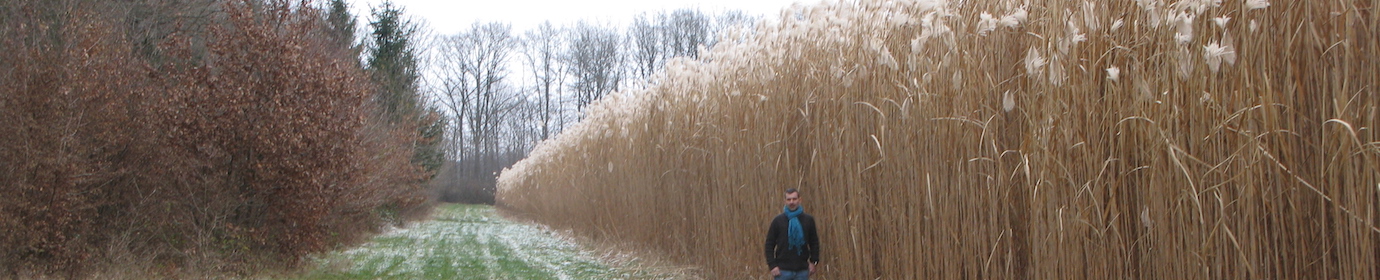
(794, 275)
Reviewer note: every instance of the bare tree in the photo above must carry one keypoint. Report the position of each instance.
(521, 128)
(728, 21)
(542, 48)
(474, 87)
(683, 31)
(593, 61)
(654, 39)
(647, 51)
(495, 44)
(454, 88)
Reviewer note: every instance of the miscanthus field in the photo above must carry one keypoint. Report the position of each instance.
(1128, 139)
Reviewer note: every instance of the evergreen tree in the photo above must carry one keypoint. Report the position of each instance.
(394, 68)
(393, 62)
(341, 25)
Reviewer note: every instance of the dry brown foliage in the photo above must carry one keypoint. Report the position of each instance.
(928, 150)
(246, 149)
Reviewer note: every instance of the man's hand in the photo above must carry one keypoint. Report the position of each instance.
(775, 271)
(812, 268)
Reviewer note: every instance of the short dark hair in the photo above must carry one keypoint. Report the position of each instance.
(792, 190)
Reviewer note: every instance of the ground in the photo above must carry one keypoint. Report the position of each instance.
(468, 242)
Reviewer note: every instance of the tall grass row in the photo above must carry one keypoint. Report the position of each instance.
(997, 139)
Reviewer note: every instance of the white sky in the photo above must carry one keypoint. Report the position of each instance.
(453, 16)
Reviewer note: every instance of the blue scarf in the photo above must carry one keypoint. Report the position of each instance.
(794, 231)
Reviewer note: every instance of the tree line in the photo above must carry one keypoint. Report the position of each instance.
(507, 89)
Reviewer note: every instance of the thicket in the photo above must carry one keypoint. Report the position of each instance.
(244, 144)
(997, 139)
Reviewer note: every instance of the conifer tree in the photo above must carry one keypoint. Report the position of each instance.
(393, 66)
(341, 26)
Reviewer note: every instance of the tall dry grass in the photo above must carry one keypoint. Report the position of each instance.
(1048, 140)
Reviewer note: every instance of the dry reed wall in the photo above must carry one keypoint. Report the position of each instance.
(1049, 140)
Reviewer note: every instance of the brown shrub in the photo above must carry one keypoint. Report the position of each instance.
(67, 134)
(248, 148)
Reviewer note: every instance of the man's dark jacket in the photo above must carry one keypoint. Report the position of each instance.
(779, 253)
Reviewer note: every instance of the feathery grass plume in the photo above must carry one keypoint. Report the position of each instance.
(1071, 39)
(986, 23)
(1008, 102)
(1015, 18)
(1221, 21)
(1214, 53)
(1034, 63)
(1183, 26)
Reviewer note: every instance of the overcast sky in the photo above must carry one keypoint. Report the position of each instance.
(452, 16)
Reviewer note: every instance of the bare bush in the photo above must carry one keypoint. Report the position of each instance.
(245, 149)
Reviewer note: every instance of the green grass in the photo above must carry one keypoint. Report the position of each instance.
(466, 242)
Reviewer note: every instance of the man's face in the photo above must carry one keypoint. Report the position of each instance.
(793, 200)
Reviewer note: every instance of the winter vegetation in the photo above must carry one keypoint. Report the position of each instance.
(229, 138)
(1145, 139)
(191, 139)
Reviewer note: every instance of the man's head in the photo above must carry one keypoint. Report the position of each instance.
(792, 198)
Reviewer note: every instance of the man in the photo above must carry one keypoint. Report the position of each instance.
(792, 243)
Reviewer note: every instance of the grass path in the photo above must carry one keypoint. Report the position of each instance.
(467, 242)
